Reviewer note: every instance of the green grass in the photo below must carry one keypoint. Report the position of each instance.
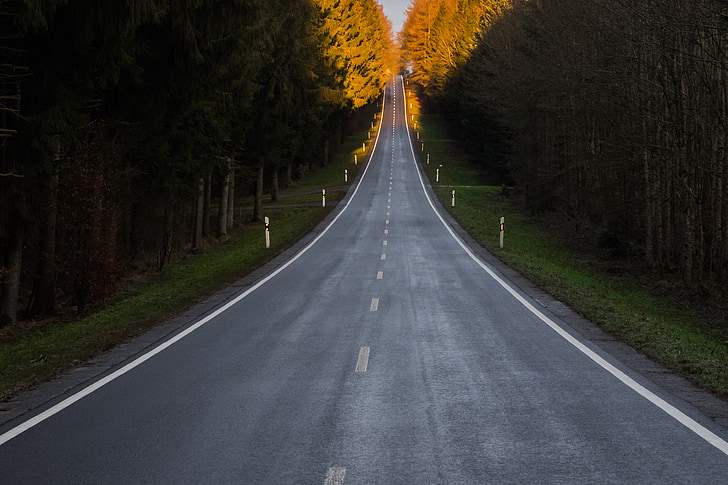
(673, 334)
(333, 175)
(32, 355)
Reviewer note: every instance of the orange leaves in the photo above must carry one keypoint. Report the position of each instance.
(357, 44)
(439, 36)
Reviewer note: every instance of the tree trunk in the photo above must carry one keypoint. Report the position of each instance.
(11, 283)
(339, 132)
(222, 213)
(275, 188)
(231, 200)
(199, 215)
(289, 175)
(208, 206)
(165, 251)
(258, 204)
(326, 153)
(44, 302)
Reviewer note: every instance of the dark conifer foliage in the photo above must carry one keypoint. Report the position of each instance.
(124, 123)
(611, 112)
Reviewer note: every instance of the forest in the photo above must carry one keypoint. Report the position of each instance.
(611, 113)
(130, 130)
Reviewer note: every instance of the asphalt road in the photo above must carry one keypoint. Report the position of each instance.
(383, 354)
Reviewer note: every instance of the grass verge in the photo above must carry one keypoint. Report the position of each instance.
(35, 354)
(676, 335)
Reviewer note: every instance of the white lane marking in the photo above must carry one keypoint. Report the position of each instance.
(335, 475)
(380, 275)
(73, 398)
(668, 408)
(363, 360)
(387, 221)
(374, 306)
(384, 243)
(383, 256)
(386, 231)
(387, 213)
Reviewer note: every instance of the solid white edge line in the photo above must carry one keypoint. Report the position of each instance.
(668, 408)
(60, 406)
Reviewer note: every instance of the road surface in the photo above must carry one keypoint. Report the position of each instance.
(384, 353)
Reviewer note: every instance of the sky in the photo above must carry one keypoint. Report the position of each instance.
(394, 9)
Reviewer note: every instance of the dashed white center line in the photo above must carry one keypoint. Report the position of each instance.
(335, 475)
(387, 222)
(363, 361)
(387, 213)
(384, 243)
(383, 257)
(386, 231)
(374, 305)
(380, 275)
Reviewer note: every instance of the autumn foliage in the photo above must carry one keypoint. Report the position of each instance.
(358, 47)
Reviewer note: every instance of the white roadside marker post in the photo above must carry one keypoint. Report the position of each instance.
(369, 135)
(423, 147)
(437, 175)
(502, 230)
(428, 159)
(363, 146)
(418, 135)
(453, 198)
(267, 233)
(355, 159)
(346, 175)
(323, 197)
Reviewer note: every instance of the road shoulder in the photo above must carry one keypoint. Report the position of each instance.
(660, 379)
